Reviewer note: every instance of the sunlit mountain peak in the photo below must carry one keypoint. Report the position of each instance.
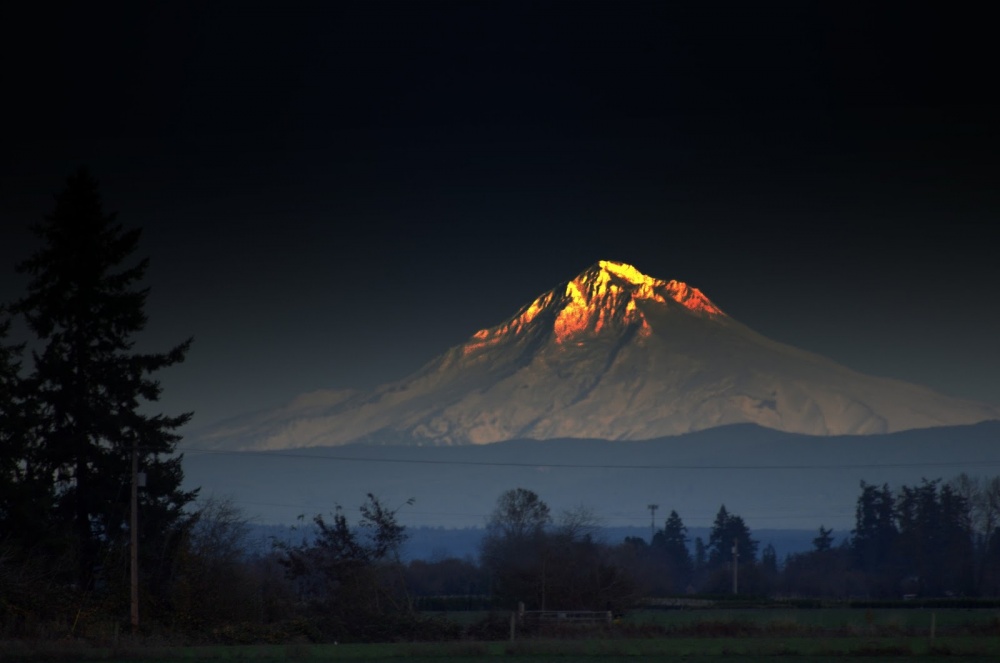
(626, 272)
(647, 287)
(607, 296)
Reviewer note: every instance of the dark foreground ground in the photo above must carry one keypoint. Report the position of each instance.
(824, 634)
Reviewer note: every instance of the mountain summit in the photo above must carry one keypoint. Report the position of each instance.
(611, 354)
(608, 298)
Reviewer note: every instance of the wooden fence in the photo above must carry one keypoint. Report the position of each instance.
(529, 618)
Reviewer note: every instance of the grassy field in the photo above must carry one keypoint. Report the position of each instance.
(843, 620)
(599, 651)
(684, 635)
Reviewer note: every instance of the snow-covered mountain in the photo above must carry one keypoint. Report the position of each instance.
(611, 354)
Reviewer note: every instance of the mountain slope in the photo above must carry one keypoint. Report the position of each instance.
(610, 354)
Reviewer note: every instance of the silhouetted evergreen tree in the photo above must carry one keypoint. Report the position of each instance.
(766, 579)
(670, 544)
(20, 492)
(727, 529)
(25, 490)
(700, 554)
(824, 541)
(874, 539)
(700, 562)
(85, 305)
(935, 545)
(769, 560)
(958, 543)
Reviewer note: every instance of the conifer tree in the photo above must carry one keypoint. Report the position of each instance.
(85, 305)
(875, 535)
(727, 529)
(24, 494)
(12, 447)
(672, 542)
(824, 541)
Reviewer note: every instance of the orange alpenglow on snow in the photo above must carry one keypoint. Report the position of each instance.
(606, 294)
(680, 292)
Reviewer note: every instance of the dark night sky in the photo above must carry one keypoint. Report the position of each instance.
(334, 193)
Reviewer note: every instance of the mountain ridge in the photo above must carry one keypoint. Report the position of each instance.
(770, 477)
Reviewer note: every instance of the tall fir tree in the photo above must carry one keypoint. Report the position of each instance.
(874, 536)
(85, 305)
(875, 540)
(671, 543)
(12, 436)
(727, 530)
(24, 491)
(957, 536)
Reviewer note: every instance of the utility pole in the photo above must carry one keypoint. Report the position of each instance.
(736, 567)
(134, 536)
(652, 525)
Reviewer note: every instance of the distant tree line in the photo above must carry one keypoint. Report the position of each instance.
(930, 540)
(934, 539)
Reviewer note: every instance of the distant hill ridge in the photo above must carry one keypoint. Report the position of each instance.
(775, 480)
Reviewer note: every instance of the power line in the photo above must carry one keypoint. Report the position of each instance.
(772, 516)
(597, 466)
